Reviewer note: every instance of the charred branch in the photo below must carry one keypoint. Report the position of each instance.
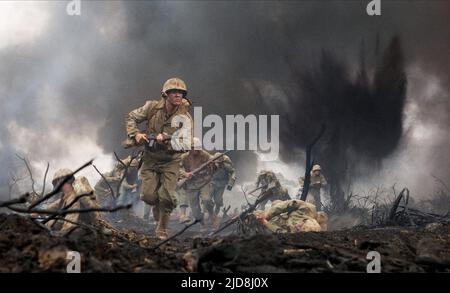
(58, 187)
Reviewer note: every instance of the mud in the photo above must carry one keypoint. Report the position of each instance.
(26, 247)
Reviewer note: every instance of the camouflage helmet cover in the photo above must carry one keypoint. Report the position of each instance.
(61, 173)
(316, 168)
(174, 84)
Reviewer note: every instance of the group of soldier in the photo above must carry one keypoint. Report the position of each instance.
(165, 177)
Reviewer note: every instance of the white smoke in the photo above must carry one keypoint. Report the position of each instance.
(13, 16)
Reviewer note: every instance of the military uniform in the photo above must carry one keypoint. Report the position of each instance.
(129, 187)
(160, 165)
(102, 191)
(198, 188)
(183, 203)
(224, 177)
(291, 216)
(80, 186)
(316, 183)
(271, 188)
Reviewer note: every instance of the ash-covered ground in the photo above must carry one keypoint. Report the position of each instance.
(26, 247)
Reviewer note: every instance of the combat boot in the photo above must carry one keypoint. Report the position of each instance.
(183, 218)
(216, 222)
(161, 229)
(155, 212)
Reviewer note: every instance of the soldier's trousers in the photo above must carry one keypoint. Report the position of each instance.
(314, 198)
(183, 200)
(200, 198)
(159, 175)
(217, 190)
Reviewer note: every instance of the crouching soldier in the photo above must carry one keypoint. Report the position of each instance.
(70, 190)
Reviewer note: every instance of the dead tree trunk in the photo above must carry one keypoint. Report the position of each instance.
(309, 163)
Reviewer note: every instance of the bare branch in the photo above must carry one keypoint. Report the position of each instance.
(106, 181)
(245, 194)
(91, 228)
(29, 171)
(58, 187)
(310, 164)
(40, 225)
(126, 166)
(442, 182)
(65, 212)
(19, 200)
(78, 197)
(45, 179)
(175, 235)
(12, 184)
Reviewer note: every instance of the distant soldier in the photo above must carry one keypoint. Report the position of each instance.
(70, 190)
(102, 190)
(224, 177)
(129, 187)
(292, 216)
(198, 188)
(130, 183)
(317, 182)
(271, 188)
(161, 161)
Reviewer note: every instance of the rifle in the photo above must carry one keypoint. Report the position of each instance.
(201, 167)
(258, 188)
(129, 143)
(152, 139)
(244, 214)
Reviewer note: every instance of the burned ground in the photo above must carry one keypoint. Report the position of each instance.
(26, 247)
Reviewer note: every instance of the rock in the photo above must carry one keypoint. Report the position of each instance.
(433, 227)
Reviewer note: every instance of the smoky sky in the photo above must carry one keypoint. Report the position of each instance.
(84, 73)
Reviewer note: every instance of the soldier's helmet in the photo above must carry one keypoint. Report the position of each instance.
(265, 173)
(196, 143)
(61, 174)
(134, 162)
(174, 84)
(316, 168)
